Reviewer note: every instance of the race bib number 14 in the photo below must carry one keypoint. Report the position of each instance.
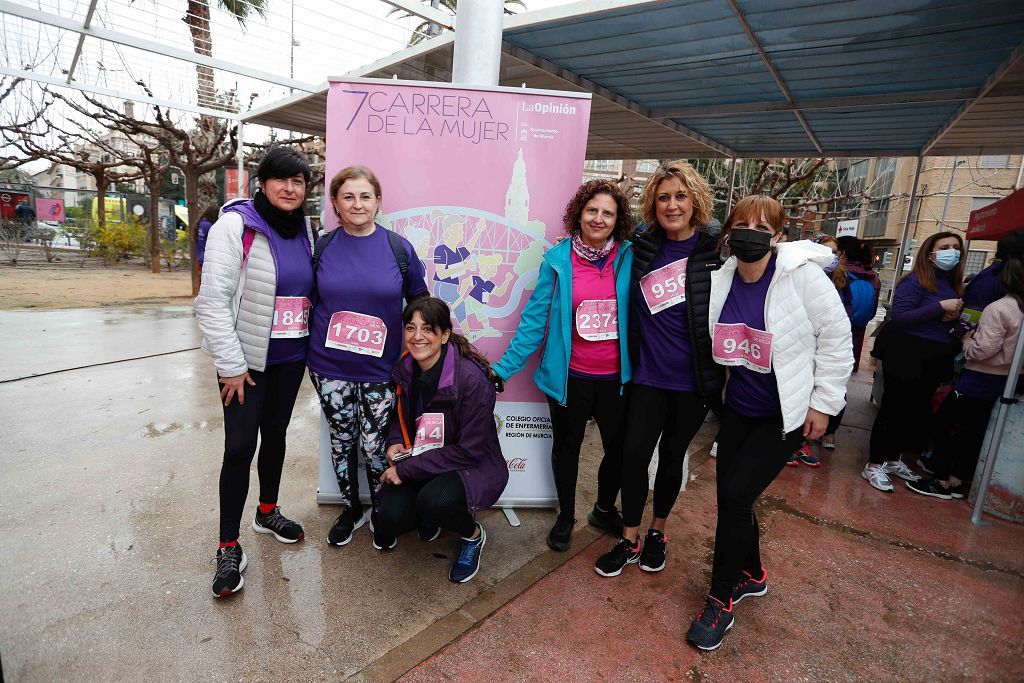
(665, 287)
(358, 333)
(429, 433)
(736, 344)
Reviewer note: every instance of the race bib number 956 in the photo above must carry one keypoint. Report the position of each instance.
(665, 287)
(358, 333)
(736, 344)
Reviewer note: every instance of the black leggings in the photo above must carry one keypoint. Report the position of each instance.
(604, 401)
(960, 425)
(903, 419)
(675, 416)
(751, 453)
(265, 415)
(440, 501)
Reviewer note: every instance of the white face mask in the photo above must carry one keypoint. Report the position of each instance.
(947, 259)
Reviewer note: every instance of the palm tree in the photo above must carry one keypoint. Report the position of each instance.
(429, 29)
(197, 18)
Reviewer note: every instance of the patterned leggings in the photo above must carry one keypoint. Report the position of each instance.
(358, 416)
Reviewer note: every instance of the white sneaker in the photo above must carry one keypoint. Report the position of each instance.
(714, 450)
(876, 476)
(900, 469)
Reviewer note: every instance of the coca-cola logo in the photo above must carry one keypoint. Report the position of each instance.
(516, 465)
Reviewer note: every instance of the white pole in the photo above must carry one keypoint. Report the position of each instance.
(901, 252)
(732, 186)
(997, 432)
(949, 191)
(241, 163)
(477, 42)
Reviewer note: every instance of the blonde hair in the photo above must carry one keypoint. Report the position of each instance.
(700, 192)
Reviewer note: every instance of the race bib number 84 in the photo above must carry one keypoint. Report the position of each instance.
(736, 344)
(358, 333)
(665, 287)
(291, 317)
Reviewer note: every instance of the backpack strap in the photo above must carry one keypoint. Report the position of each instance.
(248, 236)
(402, 259)
(321, 244)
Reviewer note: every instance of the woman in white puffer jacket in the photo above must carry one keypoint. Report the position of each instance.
(779, 325)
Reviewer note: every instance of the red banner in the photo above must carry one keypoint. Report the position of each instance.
(995, 220)
(231, 184)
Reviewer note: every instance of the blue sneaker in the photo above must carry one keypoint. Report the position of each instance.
(709, 628)
(467, 564)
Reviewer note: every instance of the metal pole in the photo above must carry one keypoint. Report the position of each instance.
(732, 186)
(477, 56)
(906, 228)
(949, 191)
(997, 433)
(241, 163)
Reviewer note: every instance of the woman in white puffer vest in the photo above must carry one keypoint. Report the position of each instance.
(780, 328)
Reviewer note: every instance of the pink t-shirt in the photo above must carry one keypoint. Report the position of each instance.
(595, 320)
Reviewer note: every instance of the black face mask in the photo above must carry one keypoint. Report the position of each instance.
(750, 245)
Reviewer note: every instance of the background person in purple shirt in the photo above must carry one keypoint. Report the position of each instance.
(780, 328)
(356, 338)
(917, 350)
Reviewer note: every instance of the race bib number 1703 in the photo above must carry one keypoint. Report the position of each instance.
(358, 333)
(736, 344)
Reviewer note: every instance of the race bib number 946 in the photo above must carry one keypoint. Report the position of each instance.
(597, 319)
(429, 433)
(358, 333)
(665, 287)
(736, 344)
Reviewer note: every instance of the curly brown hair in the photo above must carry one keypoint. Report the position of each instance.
(700, 192)
(574, 209)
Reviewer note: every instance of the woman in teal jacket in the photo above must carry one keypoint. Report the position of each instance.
(578, 318)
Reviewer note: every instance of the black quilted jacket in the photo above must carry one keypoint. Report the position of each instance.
(704, 260)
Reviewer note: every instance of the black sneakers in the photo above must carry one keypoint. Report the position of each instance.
(380, 540)
(231, 562)
(612, 562)
(429, 533)
(931, 488)
(610, 520)
(652, 559)
(561, 533)
(283, 529)
(749, 586)
(345, 525)
(709, 628)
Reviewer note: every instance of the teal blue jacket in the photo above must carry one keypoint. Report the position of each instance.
(547, 321)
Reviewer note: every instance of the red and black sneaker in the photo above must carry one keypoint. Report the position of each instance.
(750, 587)
(708, 630)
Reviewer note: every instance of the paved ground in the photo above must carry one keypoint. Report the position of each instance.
(863, 586)
(108, 506)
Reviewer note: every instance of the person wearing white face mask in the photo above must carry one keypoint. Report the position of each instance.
(917, 350)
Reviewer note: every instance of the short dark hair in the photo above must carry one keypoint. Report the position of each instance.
(283, 162)
(1010, 245)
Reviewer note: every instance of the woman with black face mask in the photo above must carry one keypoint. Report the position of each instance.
(778, 325)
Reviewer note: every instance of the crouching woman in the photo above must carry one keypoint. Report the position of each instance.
(445, 460)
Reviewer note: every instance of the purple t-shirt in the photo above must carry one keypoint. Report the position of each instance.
(360, 275)
(443, 256)
(981, 385)
(292, 258)
(750, 393)
(481, 289)
(664, 359)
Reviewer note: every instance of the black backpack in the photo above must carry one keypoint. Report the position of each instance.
(397, 247)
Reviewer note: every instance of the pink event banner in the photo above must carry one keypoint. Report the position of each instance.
(476, 179)
(50, 210)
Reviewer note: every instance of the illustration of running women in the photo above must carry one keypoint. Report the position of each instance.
(479, 290)
(451, 261)
(356, 336)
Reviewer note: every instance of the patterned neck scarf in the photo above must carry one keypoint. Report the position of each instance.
(588, 253)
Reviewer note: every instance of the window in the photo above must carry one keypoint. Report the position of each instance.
(975, 261)
(880, 191)
(646, 166)
(982, 202)
(994, 161)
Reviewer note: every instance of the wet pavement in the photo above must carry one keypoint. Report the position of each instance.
(37, 342)
(863, 585)
(108, 478)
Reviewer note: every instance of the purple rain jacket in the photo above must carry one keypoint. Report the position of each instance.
(466, 399)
